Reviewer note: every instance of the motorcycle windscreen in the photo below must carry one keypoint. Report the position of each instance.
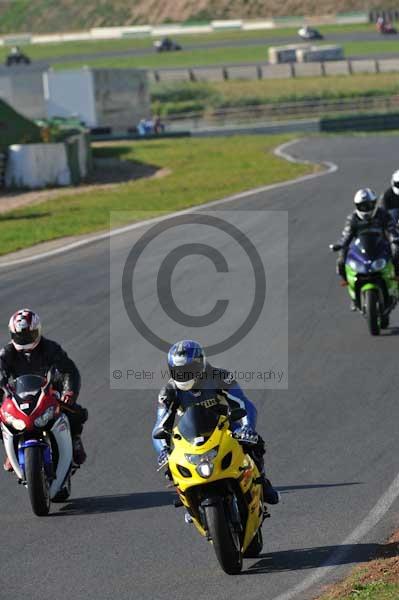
(371, 246)
(28, 385)
(197, 424)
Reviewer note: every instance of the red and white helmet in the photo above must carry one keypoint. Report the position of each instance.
(25, 329)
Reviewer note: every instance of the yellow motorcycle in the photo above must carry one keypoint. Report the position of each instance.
(217, 482)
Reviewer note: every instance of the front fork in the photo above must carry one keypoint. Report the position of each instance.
(17, 457)
(357, 295)
(383, 308)
(230, 504)
(47, 455)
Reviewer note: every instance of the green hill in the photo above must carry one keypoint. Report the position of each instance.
(16, 129)
(69, 15)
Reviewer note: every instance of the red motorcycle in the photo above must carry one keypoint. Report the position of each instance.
(37, 439)
(385, 27)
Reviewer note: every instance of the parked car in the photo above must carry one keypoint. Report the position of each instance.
(16, 57)
(307, 33)
(166, 45)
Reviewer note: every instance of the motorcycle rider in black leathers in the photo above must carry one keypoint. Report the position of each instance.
(367, 217)
(29, 353)
(390, 198)
(193, 378)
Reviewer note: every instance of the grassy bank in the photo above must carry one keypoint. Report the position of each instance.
(374, 591)
(376, 580)
(73, 15)
(197, 171)
(179, 98)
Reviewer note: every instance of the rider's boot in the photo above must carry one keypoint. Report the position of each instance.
(270, 494)
(79, 454)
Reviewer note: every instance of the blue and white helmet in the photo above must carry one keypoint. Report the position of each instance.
(186, 361)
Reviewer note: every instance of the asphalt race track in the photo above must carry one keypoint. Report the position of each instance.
(332, 437)
(336, 38)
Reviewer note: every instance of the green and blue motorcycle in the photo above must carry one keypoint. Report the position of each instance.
(371, 280)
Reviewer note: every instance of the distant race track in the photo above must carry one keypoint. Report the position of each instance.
(335, 38)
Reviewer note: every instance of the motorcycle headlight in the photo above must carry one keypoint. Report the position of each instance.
(379, 264)
(18, 424)
(45, 417)
(205, 469)
(357, 266)
(196, 459)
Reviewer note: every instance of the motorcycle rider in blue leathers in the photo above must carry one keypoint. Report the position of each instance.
(193, 377)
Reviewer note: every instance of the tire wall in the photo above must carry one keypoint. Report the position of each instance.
(35, 166)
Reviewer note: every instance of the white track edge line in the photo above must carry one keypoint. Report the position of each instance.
(280, 151)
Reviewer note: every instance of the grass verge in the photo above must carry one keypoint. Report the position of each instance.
(200, 171)
(179, 98)
(203, 57)
(375, 580)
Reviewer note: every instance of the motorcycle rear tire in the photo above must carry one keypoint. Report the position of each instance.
(36, 478)
(225, 542)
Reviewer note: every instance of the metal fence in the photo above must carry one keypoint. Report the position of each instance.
(281, 111)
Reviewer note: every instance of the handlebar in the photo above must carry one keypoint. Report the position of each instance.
(335, 247)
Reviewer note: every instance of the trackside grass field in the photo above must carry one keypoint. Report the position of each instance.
(219, 56)
(46, 51)
(181, 98)
(197, 171)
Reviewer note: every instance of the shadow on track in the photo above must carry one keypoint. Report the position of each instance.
(120, 502)
(390, 332)
(286, 489)
(323, 556)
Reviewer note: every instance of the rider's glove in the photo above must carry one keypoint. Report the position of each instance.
(68, 398)
(163, 458)
(341, 268)
(246, 435)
